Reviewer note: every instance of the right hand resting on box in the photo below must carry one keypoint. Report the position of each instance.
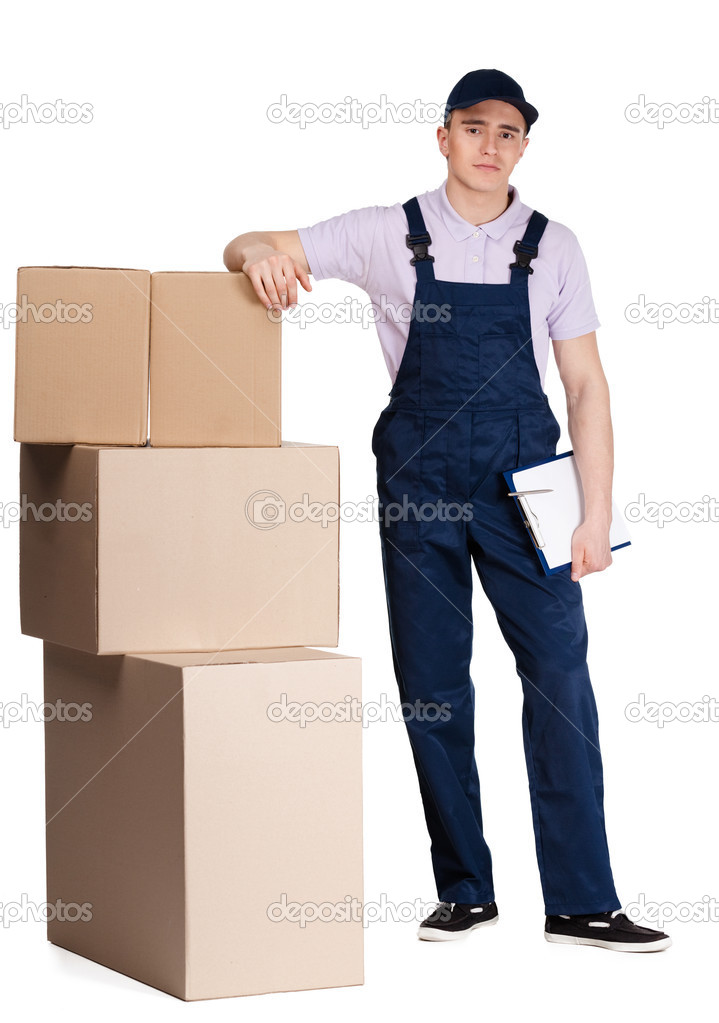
(273, 262)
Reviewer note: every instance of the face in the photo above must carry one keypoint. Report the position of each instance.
(484, 144)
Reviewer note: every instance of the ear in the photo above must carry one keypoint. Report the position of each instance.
(442, 134)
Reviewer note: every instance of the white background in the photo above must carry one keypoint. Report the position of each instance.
(179, 157)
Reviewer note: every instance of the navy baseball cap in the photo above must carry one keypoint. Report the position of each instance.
(477, 86)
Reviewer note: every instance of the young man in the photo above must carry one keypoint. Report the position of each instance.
(489, 282)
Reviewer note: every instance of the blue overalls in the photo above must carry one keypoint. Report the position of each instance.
(467, 403)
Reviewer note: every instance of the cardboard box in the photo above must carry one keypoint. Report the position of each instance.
(187, 811)
(82, 355)
(126, 550)
(90, 341)
(215, 362)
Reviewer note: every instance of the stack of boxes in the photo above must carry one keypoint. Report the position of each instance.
(207, 803)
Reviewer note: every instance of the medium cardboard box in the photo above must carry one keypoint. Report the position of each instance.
(215, 362)
(127, 550)
(189, 818)
(82, 362)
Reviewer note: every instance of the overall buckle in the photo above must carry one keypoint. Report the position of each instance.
(418, 244)
(525, 254)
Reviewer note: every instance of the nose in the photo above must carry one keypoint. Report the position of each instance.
(489, 144)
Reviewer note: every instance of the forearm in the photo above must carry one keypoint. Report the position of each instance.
(252, 243)
(590, 430)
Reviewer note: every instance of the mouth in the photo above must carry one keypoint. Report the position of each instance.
(486, 166)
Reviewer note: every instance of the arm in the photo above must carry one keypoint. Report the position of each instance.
(590, 431)
(274, 261)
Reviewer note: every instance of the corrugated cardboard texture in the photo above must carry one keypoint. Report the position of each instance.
(82, 382)
(181, 873)
(58, 563)
(215, 362)
(180, 564)
(115, 813)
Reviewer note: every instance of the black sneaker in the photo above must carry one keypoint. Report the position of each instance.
(606, 930)
(456, 919)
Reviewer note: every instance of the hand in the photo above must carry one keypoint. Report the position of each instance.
(591, 550)
(274, 276)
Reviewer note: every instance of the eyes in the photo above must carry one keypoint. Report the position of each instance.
(507, 136)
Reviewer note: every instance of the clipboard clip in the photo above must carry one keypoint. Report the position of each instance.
(531, 521)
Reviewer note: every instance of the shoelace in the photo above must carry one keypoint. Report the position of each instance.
(612, 914)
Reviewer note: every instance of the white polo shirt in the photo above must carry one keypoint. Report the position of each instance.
(367, 247)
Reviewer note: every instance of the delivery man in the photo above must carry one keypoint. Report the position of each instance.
(488, 282)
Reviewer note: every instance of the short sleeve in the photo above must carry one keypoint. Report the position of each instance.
(341, 247)
(573, 313)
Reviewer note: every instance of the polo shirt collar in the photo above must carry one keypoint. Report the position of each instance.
(461, 229)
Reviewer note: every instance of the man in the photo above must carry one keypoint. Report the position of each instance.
(489, 282)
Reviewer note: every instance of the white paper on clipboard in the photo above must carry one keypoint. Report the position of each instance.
(562, 510)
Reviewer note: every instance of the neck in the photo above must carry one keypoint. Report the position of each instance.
(476, 207)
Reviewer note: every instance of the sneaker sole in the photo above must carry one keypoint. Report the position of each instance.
(614, 946)
(430, 934)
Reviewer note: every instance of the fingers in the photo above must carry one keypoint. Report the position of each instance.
(577, 565)
(275, 280)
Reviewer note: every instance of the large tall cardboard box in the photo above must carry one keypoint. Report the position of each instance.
(189, 816)
(215, 362)
(128, 550)
(82, 355)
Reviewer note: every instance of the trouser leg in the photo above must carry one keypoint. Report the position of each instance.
(542, 620)
(429, 588)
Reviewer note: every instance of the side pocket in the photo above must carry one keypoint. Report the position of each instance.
(379, 426)
(401, 536)
(555, 431)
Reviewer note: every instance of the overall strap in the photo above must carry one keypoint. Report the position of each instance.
(528, 248)
(418, 239)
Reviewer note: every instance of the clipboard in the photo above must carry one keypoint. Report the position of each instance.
(549, 497)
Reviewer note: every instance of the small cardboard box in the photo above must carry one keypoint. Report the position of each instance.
(82, 355)
(199, 838)
(127, 550)
(215, 363)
